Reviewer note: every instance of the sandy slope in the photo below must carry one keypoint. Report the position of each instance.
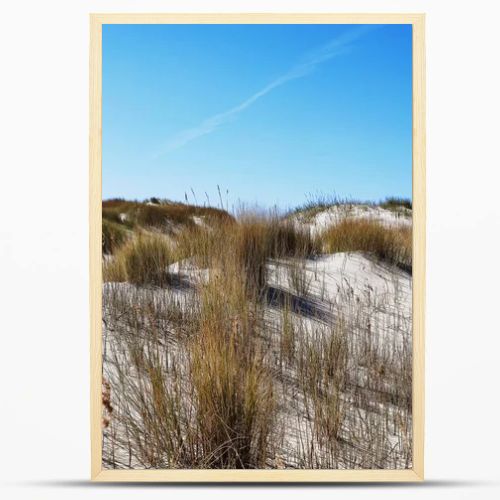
(320, 221)
(371, 299)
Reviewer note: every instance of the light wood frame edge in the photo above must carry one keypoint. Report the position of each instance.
(95, 251)
(419, 251)
(419, 244)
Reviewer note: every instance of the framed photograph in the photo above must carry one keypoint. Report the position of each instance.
(257, 247)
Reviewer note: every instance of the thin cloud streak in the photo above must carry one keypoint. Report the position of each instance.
(319, 56)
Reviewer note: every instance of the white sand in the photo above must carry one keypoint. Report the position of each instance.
(331, 216)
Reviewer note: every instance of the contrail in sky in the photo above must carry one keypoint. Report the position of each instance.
(322, 54)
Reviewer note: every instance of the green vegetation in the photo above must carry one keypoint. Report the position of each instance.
(392, 203)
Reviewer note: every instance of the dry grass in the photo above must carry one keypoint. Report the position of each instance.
(141, 261)
(114, 236)
(164, 215)
(246, 246)
(288, 337)
(154, 413)
(212, 376)
(298, 278)
(322, 372)
(114, 270)
(207, 405)
(390, 244)
(234, 392)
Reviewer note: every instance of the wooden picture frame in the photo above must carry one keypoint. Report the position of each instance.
(383, 475)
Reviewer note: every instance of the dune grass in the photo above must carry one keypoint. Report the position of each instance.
(114, 236)
(320, 203)
(234, 391)
(143, 260)
(390, 244)
(208, 405)
(163, 215)
(246, 245)
(322, 362)
(206, 378)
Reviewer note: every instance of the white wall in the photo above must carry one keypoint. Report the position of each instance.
(44, 417)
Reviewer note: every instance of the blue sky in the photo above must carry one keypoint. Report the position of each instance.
(271, 113)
